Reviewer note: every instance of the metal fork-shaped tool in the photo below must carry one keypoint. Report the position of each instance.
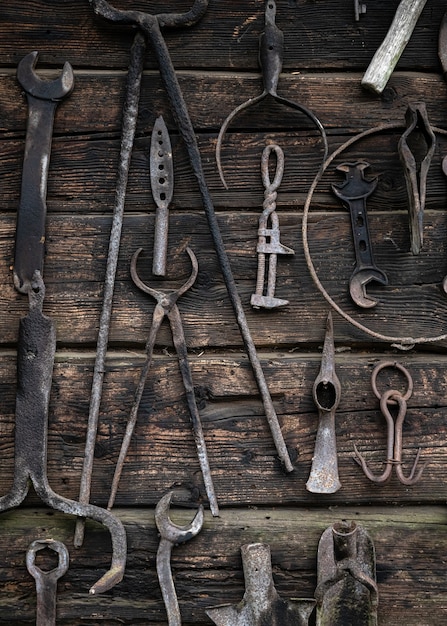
(46, 581)
(271, 51)
(391, 398)
(269, 245)
(353, 193)
(167, 307)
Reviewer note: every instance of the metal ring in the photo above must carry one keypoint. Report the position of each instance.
(398, 366)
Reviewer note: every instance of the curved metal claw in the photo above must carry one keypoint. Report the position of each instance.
(271, 49)
(172, 20)
(169, 530)
(358, 282)
(155, 293)
(55, 90)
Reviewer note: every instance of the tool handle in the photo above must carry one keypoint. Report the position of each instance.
(35, 358)
(389, 52)
(31, 215)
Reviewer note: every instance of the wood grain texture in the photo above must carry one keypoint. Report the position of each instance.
(208, 569)
(326, 54)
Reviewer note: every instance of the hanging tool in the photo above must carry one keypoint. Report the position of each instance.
(388, 54)
(261, 604)
(269, 245)
(162, 184)
(346, 590)
(130, 114)
(390, 398)
(353, 193)
(43, 96)
(442, 52)
(46, 581)
(167, 307)
(271, 52)
(415, 168)
(35, 358)
(326, 393)
(150, 26)
(172, 535)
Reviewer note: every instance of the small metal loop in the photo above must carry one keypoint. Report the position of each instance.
(279, 172)
(401, 368)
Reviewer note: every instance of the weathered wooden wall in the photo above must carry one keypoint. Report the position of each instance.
(326, 52)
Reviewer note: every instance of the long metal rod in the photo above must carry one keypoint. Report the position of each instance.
(184, 124)
(130, 113)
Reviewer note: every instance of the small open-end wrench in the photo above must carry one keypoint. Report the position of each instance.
(171, 535)
(46, 581)
(353, 193)
(43, 97)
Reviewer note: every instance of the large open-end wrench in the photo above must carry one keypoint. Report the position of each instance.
(37, 346)
(151, 26)
(353, 193)
(46, 580)
(43, 97)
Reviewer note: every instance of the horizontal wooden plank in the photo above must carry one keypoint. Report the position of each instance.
(409, 543)
(413, 305)
(226, 37)
(242, 456)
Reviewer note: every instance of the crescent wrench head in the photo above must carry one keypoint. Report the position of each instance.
(37, 87)
(358, 283)
(169, 530)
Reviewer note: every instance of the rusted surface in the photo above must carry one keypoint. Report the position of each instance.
(416, 149)
(353, 193)
(269, 245)
(326, 393)
(346, 590)
(261, 604)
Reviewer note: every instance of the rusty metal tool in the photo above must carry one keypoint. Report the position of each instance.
(261, 604)
(162, 184)
(442, 52)
(388, 399)
(353, 193)
(167, 307)
(150, 26)
(346, 590)
(35, 359)
(271, 52)
(130, 114)
(269, 245)
(388, 54)
(46, 580)
(359, 9)
(416, 167)
(43, 96)
(172, 535)
(326, 392)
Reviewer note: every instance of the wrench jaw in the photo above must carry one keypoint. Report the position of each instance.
(358, 282)
(37, 87)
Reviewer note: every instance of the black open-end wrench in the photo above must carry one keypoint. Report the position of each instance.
(43, 97)
(353, 193)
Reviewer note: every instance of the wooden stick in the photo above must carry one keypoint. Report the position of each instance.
(388, 54)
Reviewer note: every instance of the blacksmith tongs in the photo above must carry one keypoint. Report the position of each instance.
(37, 334)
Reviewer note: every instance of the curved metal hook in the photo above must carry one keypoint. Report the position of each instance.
(173, 532)
(154, 292)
